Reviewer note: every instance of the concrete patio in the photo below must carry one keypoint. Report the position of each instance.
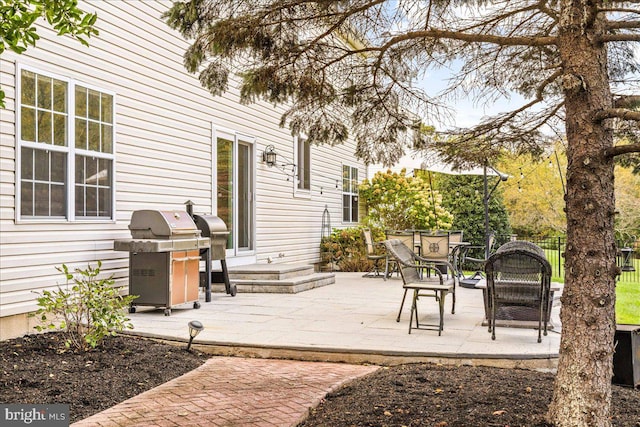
(352, 320)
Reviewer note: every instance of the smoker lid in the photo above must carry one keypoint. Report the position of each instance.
(155, 224)
(210, 225)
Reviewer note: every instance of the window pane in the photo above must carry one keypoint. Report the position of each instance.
(26, 163)
(28, 124)
(354, 209)
(42, 165)
(81, 133)
(58, 200)
(41, 199)
(94, 136)
(81, 101)
(28, 88)
(94, 105)
(44, 92)
(60, 96)
(26, 195)
(91, 201)
(44, 127)
(107, 139)
(107, 108)
(346, 215)
(104, 174)
(91, 171)
(104, 202)
(58, 167)
(60, 129)
(225, 185)
(80, 169)
(80, 200)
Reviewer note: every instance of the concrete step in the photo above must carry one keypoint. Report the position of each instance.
(275, 278)
(269, 271)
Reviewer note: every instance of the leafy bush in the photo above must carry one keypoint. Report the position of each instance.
(346, 249)
(398, 202)
(88, 308)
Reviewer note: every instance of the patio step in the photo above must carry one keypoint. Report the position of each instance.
(275, 278)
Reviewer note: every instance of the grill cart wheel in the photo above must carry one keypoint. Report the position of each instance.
(196, 305)
(233, 289)
(132, 309)
(167, 312)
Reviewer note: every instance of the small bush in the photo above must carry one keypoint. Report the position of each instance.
(88, 309)
(346, 249)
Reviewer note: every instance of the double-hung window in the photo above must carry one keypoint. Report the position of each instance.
(66, 146)
(349, 193)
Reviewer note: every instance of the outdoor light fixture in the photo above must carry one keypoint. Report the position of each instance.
(269, 155)
(195, 328)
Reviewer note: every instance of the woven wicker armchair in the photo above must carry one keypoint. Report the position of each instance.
(425, 279)
(518, 275)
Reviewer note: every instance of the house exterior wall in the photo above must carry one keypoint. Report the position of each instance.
(165, 128)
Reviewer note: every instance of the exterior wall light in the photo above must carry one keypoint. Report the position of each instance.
(269, 155)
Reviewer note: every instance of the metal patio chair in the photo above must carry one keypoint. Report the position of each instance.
(374, 256)
(424, 278)
(406, 237)
(518, 275)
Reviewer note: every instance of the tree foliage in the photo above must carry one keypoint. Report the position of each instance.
(347, 69)
(398, 202)
(462, 195)
(534, 196)
(17, 19)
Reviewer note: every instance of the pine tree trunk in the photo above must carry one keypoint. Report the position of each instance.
(582, 390)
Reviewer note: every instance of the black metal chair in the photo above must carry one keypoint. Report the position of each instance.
(518, 275)
(373, 256)
(425, 279)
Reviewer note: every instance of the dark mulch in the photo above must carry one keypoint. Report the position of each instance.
(445, 396)
(36, 370)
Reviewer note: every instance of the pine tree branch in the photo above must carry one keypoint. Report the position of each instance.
(627, 101)
(618, 38)
(619, 113)
(621, 149)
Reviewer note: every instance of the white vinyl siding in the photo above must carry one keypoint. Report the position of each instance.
(164, 154)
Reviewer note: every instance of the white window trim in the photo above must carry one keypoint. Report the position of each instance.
(303, 193)
(69, 149)
(342, 193)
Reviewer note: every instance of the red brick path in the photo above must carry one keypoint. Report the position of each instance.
(230, 391)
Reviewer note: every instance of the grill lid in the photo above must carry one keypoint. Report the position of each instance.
(210, 225)
(153, 224)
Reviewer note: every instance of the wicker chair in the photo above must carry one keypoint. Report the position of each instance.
(518, 275)
(423, 277)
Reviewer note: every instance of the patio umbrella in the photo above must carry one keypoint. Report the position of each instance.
(436, 165)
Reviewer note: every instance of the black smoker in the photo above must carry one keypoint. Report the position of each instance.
(215, 229)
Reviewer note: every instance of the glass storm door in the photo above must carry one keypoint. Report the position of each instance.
(234, 163)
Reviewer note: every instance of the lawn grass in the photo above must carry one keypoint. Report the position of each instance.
(628, 303)
(627, 291)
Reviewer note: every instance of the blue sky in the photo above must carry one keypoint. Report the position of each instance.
(466, 112)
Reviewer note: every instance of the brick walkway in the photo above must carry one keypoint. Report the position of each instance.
(230, 391)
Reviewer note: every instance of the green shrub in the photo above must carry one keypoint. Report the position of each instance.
(88, 308)
(346, 249)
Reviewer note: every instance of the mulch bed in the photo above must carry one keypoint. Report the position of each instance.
(37, 369)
